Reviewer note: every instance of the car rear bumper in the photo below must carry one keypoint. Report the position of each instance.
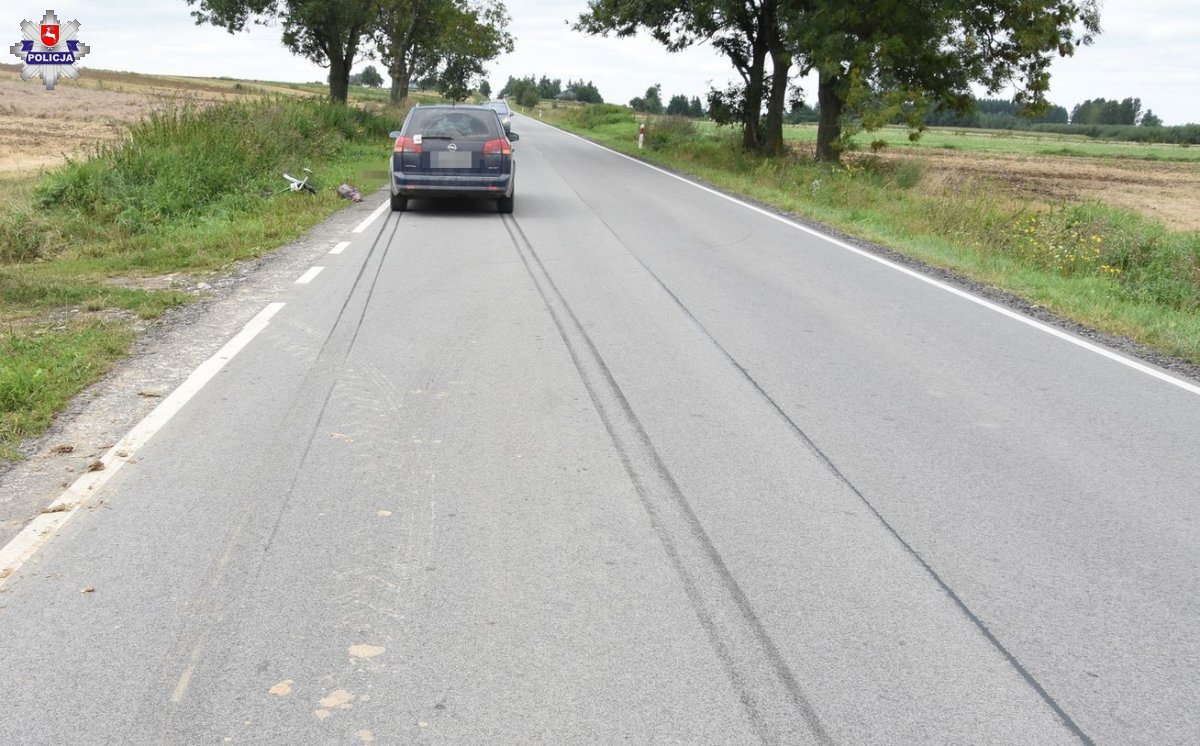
(484, 187)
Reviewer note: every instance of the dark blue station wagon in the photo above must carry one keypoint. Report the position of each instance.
(453, 151)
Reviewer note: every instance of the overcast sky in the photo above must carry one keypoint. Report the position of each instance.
(1148, 49)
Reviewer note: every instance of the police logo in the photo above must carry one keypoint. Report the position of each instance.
(50, 51)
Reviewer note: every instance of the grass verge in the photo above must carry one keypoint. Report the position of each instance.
(186, 195)
(40, 370)
(1112, 270)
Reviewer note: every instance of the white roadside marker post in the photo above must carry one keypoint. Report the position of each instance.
(641, 135)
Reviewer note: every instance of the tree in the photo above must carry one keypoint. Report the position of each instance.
(516, 87)
(529, 97)
(678, 106)
(485, 88)
(585, 92)
(417, 39)
(993, 113)
(370, 77)
(328, 32)
(653, 99)
(477, 34)
(402, 32)
(875, 59)
(1103, 111)
(1150, 119)
(695, 108)
(548, 88)
(743, 30)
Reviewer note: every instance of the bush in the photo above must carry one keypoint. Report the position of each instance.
(1187, 134)
(596, 115)
(670, 132)
(1148, 262)
(184, 165)
(529, 98)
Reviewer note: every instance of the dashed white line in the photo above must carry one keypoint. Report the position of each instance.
(371, 218)
(25, 544)
(308, 276)
(339, 247)
(1015, 316)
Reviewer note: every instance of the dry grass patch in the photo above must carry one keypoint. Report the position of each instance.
(1162, 190)
(36, 135)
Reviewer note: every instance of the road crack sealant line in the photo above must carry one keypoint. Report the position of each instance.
(824, 458)
(777, 707)
(1104, 352)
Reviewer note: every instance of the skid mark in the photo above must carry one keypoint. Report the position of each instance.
(772, 697)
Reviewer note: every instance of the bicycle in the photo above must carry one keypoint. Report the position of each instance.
(297, 185)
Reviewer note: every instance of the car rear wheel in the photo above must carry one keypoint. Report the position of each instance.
(505, 204)
(399, 203)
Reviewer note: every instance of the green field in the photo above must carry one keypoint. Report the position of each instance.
(998, 141)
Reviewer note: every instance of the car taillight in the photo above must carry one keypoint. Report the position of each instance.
(407, 145)
(497, 147)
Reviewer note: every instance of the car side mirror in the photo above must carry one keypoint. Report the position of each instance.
(513, 136)
(394, 135)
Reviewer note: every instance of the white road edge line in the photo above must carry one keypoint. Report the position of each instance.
(1053, 331)
(308, 276)
(339, 247)
(370, 218)
(53, 517)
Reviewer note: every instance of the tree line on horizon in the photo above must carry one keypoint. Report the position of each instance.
(528, 91)
(1097, 118)
(678, 106)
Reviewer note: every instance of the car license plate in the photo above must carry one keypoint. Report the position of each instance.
(450, 159)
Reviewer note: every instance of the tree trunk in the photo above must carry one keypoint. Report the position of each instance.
(829, 126)
(781, 64)
(339, 79)
(752, 106)
(401, 78)
(341, 52)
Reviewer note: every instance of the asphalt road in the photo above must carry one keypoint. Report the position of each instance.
(636, 464)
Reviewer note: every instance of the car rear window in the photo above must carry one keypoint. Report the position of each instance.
(459, 124)
(499, 106)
